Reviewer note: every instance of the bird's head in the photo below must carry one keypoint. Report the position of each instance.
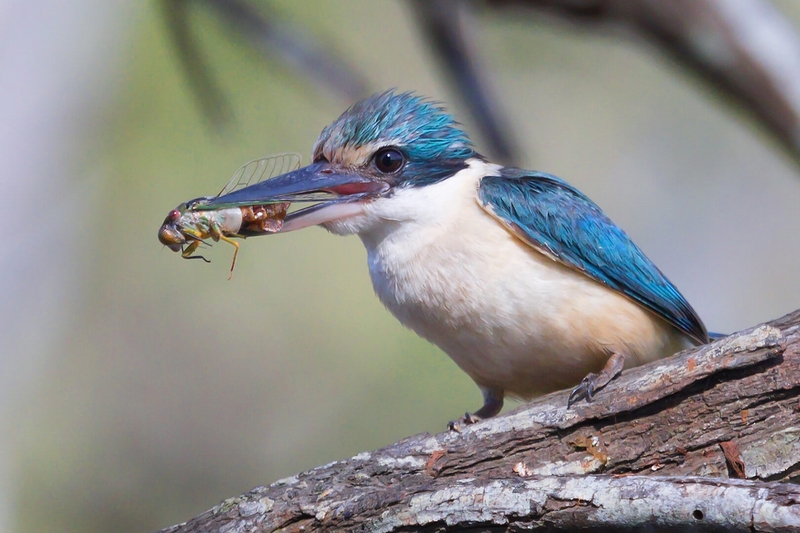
(379, 147)
(398, 139)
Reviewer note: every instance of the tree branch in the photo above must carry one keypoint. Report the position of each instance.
(629, 459)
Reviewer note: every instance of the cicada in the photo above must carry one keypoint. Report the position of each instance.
(194, 222)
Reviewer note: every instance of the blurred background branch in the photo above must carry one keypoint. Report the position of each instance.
(209, 96)
(263, 30)
(746, 49)
(449, 29)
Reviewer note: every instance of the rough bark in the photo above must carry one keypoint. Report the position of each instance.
(659, 447)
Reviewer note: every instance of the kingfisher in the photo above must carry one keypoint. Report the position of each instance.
(515, 274)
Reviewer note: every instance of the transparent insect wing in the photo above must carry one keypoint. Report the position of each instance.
(258, 170)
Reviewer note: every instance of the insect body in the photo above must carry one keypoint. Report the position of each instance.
(193, 222)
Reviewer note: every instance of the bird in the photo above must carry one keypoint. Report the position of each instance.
(515, 274)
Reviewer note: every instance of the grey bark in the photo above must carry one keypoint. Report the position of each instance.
(659, 448)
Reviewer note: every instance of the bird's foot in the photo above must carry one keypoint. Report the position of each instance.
(467, 420)
(594, 382)
(585, 389)
(492, 404)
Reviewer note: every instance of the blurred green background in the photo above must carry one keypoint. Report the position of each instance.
(139, 389)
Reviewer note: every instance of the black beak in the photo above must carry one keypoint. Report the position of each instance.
(318, 182)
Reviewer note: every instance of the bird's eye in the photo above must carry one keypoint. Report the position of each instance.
(389, 160)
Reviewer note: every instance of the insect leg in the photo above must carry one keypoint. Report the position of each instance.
(189, 250)
(235, 253)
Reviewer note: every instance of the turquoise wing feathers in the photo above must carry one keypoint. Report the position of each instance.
(559, 221)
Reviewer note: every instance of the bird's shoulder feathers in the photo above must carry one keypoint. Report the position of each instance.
(559, 221)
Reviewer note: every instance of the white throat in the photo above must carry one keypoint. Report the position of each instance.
(416, 214)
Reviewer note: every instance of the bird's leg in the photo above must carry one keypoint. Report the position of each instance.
(594, 382)
(492, 404)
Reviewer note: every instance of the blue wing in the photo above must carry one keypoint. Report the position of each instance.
(558, 220)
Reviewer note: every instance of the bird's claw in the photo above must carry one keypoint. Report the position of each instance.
(585, 389)
(467, 420)
(594, 382)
